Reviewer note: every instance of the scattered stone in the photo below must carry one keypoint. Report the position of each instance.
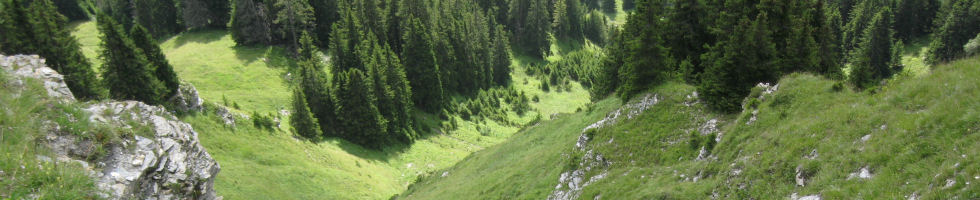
(801, 176)
(445, 174)
(863, 173)
(225, 115)
(866, 138)
(795, 196)
(813, 155)
(187, 99)
(950, 183)
(914, 196)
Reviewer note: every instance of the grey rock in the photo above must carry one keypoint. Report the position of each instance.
(131, 167)
(187, 99)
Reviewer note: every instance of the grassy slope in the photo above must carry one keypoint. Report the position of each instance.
(259, 164)
(923, 137)
(23, 175)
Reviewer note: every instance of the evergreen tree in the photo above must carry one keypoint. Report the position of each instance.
(120, 10)
(343, 40)
(736, 63)
(421, 67)
(360, 120)
(873, 58)
(530, 22)
(205, 13)
(594, 27)
(313, 83)
(629, 4)
(913, 18)
(324, 14)
(159, 17)
(53, 41)
(250, 23)
(961, 24)
(609, 6)
(567, 19)
(71, 9)
(647, 61)
(164, 71)
(294, 17)
(303, 122)
(500, 60)
(688, 34)
(16, 28)
(126, 71)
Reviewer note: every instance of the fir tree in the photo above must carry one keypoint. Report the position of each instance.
(500, 59)
(961, 24)
(159, 17)
(735, 64)
(294, 17)
(873, 58)
(250, 23)
(609, 6)
(54, 42)
(16, 28)
(164, 71)
(360, 121)
(325, 14)
(126, 71)
(303, 122)
(421, 67)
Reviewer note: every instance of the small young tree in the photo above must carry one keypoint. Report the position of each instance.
(303, 122)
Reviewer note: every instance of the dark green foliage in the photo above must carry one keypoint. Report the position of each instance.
(313, 83)
(607, 79)
(293, 17)
(250, 23)
(205, 13)
(325, 14)
(263, 121)
(629, 5)
(960, 25)
(914, 18)
(159, 17)
(500, 56)
(361, 122)
(302, 120)
(344, 38)
(71, 9)
(164, 71)
(688, 34)
(647, 60)
(608, 6)
(421, 67)
(529, 22)
(126, 71)
(860, 17)
(567, 19)
(44, 32)
(872, 60)
(16, 28)
(594, 27)
(120, 10)
(736, 63)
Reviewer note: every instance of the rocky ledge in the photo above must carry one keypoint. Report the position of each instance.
(163, 160)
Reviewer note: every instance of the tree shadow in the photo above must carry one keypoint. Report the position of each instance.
(198, 36)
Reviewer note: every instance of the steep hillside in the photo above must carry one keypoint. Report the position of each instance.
(914, 138)
(273, 164)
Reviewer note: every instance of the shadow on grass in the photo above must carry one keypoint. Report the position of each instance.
(198, 36)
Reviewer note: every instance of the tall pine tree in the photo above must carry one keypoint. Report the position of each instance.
(360, 120)
(164, 71)
(303, 122)
(421, 67)
(126, 71)
(250, 23)
(872, 60)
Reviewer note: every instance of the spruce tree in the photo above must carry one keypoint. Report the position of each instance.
(16, 28)
(609, 6)
(736, 63)
(343, 41)
(648, 60)
(71, 9)
(164, 71)
(360, 122)
(872, 60)
(325, 14)
(500, 57)
(421, 67)
(159, 17)
(302, 120)
(961, 24)
(294, 17)
(126, 71)
(54, 42)
(250, 23)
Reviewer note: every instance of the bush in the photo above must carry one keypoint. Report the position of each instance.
(973, 46)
